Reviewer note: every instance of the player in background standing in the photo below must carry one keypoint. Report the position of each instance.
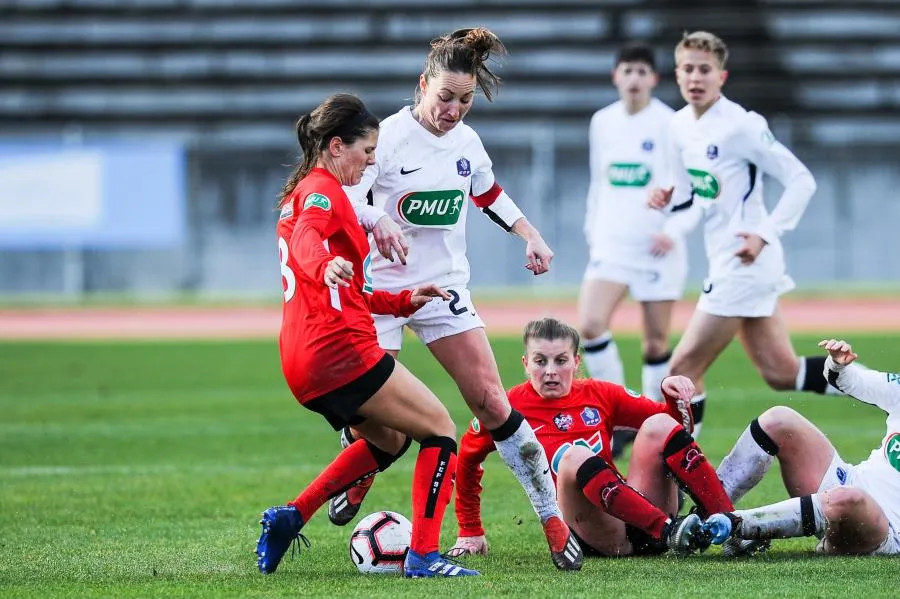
(852, 509)
(629, 250)
(574, 420)
(329, 350)
(718, 152)
(428, 165)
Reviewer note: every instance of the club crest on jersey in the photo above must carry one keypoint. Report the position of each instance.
(590, 416)
(892, 451)
(318, 200)
(563, 421)
(431, 208)
(841, 475)
(712, 151)
(463, 167)
(647, 146)
(287, 211)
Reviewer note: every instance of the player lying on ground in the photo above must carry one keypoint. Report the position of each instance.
(853, 509)
(574, 421)
(329, 351)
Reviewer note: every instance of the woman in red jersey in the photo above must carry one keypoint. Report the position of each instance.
(329, 350)
(574, 421)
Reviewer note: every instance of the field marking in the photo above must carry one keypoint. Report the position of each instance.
(836, 315)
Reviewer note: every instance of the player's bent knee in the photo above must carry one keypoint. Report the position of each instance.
(657, 428)
(841, 502)
(778, 380)
(779, 421)
(572, 460)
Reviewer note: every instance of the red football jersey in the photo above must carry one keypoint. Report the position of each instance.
(327, 335)
(586, 417)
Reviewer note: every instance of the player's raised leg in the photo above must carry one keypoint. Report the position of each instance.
(468, 358)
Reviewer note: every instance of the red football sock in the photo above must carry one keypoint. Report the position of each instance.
(349, 467)
(688, 464)
(607, 490)
(432, 486)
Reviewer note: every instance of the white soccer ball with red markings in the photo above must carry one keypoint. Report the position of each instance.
(379, 543)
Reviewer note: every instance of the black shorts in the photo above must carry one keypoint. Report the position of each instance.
(641, 544)
(339, 407)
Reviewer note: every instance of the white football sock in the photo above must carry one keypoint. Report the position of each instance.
(525, 457)
(795, 517)
(745, 465)
(652, 376)
(601, 357)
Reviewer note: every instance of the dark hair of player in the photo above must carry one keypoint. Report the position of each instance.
(340, 115)
(636, 52)
(465, 51)
(551, 329)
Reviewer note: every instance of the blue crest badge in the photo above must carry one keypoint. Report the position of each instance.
(841, 475)
(463, 167)
(590, 416)
(712, 151)
(563, 421)
(647, 146)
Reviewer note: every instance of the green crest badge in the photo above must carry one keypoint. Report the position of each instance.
(704, 184)
(476, 426)
(431, 208)
(628, 174)
(318, 200)
(892, 451)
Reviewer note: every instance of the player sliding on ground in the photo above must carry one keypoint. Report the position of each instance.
(574, 421)
(852, 509)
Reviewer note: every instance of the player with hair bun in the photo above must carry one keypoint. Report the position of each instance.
(428, 166)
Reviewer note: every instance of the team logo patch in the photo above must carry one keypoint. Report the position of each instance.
(563, 421)
(712, 151)
(476, 426)
(431, 208)
(628, 174)
(892, 451)
(287, 211)
(647, 146)
(704, 184)
(318, 200)
(841, 475)
(590, 416)
(631, 392)
(463, 167)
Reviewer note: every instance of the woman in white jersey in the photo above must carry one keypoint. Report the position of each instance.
(629, 251)
(852, 509)
(718, 152)
(414, 199)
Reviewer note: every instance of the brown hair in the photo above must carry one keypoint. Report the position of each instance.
(706, 42)
(551, 329)
(465, 51)
(340, 115)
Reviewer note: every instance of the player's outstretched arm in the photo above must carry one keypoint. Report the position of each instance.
(881, 389)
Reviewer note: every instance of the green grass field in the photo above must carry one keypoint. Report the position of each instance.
(139, 469)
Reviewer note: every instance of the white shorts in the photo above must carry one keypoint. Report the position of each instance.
(742, 296)
(436, 320)
(839, 474)
(664, 281)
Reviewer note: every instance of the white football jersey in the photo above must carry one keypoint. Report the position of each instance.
(882, 467)
(627, 159)
(717, 163)
(423, 182)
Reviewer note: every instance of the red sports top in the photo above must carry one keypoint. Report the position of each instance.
(586, 417)
(327, 335)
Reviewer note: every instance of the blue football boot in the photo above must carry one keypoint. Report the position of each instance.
(280, 529)
(433, 565)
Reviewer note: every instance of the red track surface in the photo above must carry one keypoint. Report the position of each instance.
(823, 316)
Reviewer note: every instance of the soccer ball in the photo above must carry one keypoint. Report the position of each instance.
(379, 543)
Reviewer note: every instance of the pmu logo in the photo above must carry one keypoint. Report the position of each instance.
(704, 184)
(892, 451)
(628, 174)
(431, 208)
(692, 458)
